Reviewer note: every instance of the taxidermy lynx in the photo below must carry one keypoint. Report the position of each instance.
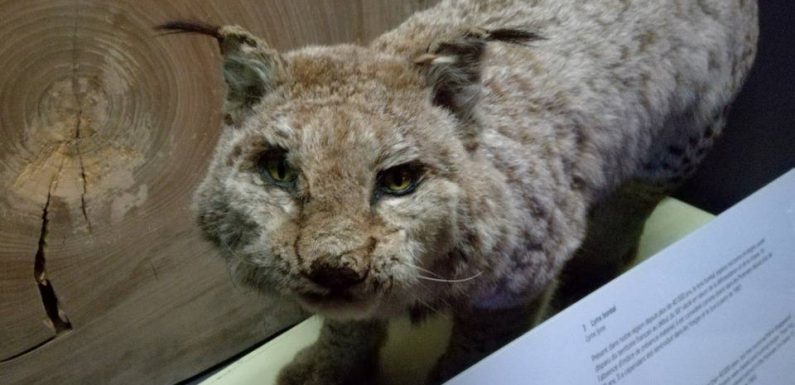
(470, 160)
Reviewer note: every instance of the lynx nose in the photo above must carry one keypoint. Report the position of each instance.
(336, 278)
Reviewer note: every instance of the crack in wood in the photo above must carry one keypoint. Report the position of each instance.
(26, 351)
(58, 318)
(82, 168)
(154, 271)
(79, 115)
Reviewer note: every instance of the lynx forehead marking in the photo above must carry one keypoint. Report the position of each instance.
(346, 66)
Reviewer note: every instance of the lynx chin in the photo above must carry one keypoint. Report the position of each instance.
(472, 160)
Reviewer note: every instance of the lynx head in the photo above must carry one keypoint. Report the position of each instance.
(341, 176)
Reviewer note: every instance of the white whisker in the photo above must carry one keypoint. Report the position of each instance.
(420, 268)
(433, 309)
(437, 277)
(450, 280)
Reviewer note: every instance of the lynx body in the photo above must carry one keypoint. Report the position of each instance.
(460, 161)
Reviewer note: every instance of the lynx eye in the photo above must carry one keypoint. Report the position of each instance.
(399, 180)
(273, 166)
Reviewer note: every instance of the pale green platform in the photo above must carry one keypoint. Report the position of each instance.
(410, 351)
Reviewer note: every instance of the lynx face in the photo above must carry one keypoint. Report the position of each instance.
(339, 183)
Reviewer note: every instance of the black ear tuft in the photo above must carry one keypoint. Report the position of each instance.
(250, 68)
(508, 35)
(181, 26)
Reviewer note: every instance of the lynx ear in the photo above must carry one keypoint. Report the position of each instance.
(251, 68)
(453, 71)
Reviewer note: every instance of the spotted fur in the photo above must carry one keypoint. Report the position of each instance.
(541, 127)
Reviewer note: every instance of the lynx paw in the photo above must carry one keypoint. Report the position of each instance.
(316, 366)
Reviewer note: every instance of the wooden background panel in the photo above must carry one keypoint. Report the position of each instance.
(110, 128)
(381, 16)
(107, 128)
(29, 161)
(23, 321)
(146, 139)
(288, 25)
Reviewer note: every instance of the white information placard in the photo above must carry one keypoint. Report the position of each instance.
(714, 308)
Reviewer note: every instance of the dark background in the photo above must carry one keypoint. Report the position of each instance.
(758, 144)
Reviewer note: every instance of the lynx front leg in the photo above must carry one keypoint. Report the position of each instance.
(346, 353)
(614, 230)
(479, 332)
